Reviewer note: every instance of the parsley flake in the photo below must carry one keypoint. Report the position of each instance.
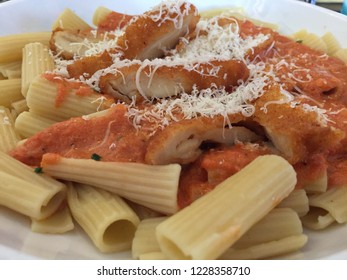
(38, 170)
(95, 157)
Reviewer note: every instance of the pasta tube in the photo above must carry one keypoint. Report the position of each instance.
(327, 208)
(332, 43)
(100, 14)
(266, 250)
(42, 96)
(59, 222)
(10, 91)
(28, 198)
(243, 199)
(145, 241)
(317, 219)
(70, 20)
(20, 106)
(279, 232)
(341, 54)
(36, 60)
(51, 191)
(28, 123)
(8, 136)
(11, 46)
(105, 217)
(311, 40)
(298, 201)
(152, 186)
(11, 70)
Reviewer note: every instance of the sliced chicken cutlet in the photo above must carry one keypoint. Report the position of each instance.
(150, 35)
(181, 142)
(73, 43)
(295, 129)
(162, 80)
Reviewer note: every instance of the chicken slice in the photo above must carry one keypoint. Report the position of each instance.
(71, 43)
(159, 81)
(88, 65)
(295, 129)
(151, 34)
(180, 142)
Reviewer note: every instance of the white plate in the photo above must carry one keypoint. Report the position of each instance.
(17, 16)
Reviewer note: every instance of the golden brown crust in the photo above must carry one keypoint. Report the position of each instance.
(180, 141)
(88, 65)
(294, 131)
(165, 80)
(147, 38)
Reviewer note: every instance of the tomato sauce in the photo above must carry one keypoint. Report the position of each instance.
(213, 167)
(114, 21)
(112, 137)
(317, 78)
(321, 81)
(64, 88)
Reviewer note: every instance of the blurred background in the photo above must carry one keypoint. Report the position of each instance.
(335, 5)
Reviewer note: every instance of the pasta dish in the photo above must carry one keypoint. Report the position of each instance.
(176, 133)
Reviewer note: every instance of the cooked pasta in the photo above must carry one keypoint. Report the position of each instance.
(36, 60)
(20, 106)
(27, 198)
(70, 20)
(11, 46)
(341, 54)
(237, 199)
(28, 123)
(332, 44)
(43, 195)
(173, 118)
(145, 240)
(11, 70)
(327, 208)
(279, 232)
(100, 14)
(42, 99)
(298, 201)
(105, 217)
(10, 91)
(58, 222)
(133, 181)
(8, 135)
(310, 39)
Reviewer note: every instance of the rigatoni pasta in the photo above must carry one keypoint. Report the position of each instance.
(8, 135)
(70, 20)
(327, 208)
(42, 99)
(236, 191)
(44, 195)
(57, 223)
(145, 241)
(237, 198)
(36, 60)
(11, 45)
(133, 181)
(278, 233)
(105, 217)
(11, 70)
(28, 123)
(10, 91)
(298, 201)
(100, 14)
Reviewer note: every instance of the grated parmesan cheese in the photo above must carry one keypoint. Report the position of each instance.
(212, 42)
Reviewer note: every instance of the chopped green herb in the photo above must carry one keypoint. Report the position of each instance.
(96, 157)
(299, 41)
(38, 170)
